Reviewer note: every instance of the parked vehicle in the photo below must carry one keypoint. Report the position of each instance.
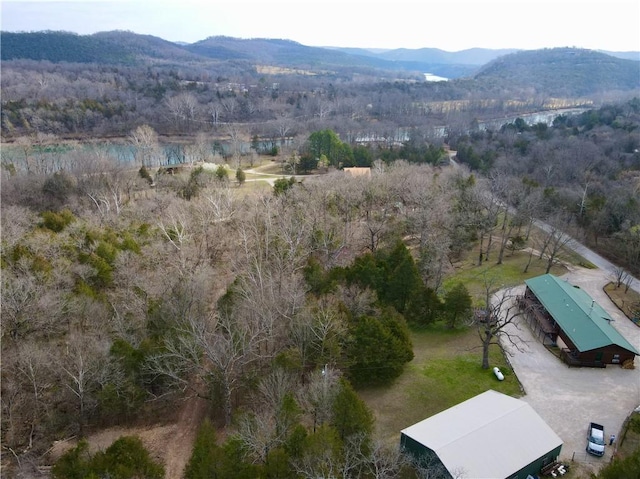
(595, 439)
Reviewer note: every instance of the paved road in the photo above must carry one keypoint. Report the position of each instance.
(590, 255)
(569, 398)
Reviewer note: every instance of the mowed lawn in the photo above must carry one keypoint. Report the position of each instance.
(446, 369)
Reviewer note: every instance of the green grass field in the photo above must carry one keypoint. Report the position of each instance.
(446, 369)
(509, 273)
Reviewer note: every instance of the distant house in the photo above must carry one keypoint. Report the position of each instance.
(491, 435)
(358, 171)
(558, 310)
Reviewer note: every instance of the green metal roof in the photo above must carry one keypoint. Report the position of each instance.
(583, 320)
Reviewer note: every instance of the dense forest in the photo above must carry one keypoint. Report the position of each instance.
(130, 282)
(266, 89)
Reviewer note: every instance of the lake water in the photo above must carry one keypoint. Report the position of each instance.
(174, 153)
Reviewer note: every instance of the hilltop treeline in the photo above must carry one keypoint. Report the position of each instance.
(107, 84)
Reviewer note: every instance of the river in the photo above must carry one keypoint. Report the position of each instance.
(173, 153)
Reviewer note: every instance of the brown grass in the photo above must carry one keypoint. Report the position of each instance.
(630, 440)
(628, 302)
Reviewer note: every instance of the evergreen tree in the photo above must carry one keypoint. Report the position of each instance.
(126, 458)
(402, 280)
(282, 185)
(457, 304)
(205, 454)
(73, 464)
(221, 173)
(376, 353)
(395, 278)
(241, 176)
(350, 413)
(366, 272)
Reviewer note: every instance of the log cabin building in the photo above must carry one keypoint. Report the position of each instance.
(565, 315)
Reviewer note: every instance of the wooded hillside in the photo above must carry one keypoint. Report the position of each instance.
(144, 260)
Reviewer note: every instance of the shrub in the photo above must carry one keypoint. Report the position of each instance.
(56, 222)
(126, 458)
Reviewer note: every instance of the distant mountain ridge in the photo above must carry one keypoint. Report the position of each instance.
(472, 56)
(497, 66)
(277, 51)
(118, 47)
(561, 72)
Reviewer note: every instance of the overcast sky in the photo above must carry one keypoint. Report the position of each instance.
(449, 25)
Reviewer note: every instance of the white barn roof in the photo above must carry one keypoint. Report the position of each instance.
(491, 435)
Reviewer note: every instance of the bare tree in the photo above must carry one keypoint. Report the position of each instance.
(215, 349)
(26, 382)
(323, 108)
(271, 424)
(283, 126)
(328, 327)
(259, 434)
(354, 455)
(318, 395)
(81, 368)
(183, 108)
(375, 207)
(13, 399)
(556, 238)
(629, 240)
(30, 305)
(432, 468)
(214, 112)
(199, 151)
(175, 232)
(324, 462)
(620, 275)
(109, 189)
(147, 149)
(326, 227)
(494, 322)
(25, 145)
(385, 461)
(236, 143)
(427, 205)
(274, 248)
(229, 104)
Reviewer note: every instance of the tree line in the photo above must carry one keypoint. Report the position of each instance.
(125, 285)
(119, 293)
(82, 100)
(583, 169)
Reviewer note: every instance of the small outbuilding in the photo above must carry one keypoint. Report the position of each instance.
(558, 310)
(358, 171)
(491, 435)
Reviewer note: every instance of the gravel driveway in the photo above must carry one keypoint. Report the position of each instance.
(569, 398)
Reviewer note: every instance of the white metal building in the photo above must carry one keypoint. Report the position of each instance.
(491, 435)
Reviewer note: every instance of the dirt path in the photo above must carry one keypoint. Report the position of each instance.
(169, 444)
(180, 443)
